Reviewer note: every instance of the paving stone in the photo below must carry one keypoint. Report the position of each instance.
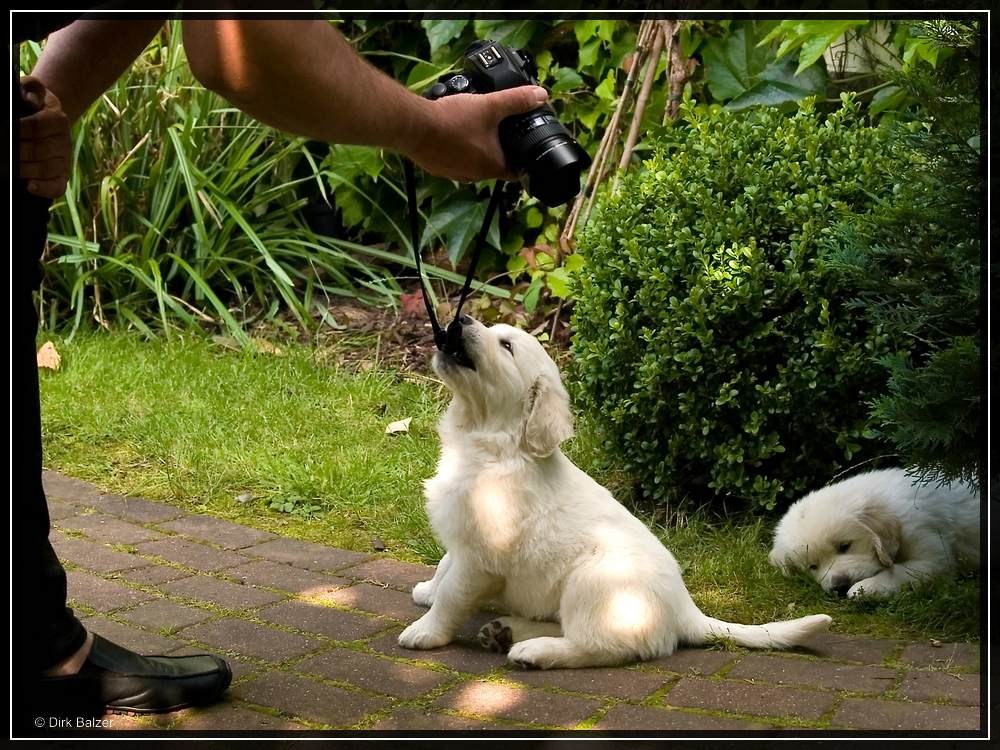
(140, 641)
(315, 701)
(463, 654)
(792, 671)
(193, 555)
(621, 683)
(277, 575)
(910, 717)
(934, 686)
(152, 575)
(945, 656)
(306, 554)
(398, 575)
(762, 700)
(67, 488)
(529, 706)
(333, 623)
(415, 720)
(250, 639)
(373, 673)
(92, 555)
(221, 593)
(162, 613)
(626, 717)
(135, 509)
(99, 594)
(218, 531)
(850, 648)
(239, 667)
(58, 510)
(692, 661)
(378, 600)
(231, 715)
(109, 529)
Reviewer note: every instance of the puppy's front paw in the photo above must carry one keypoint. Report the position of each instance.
(423, 594)
(420, 636)
(527, 655)
(869, 588)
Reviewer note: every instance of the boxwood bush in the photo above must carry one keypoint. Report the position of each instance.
(719, 353)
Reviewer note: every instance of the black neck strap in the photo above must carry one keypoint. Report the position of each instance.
(440, 334)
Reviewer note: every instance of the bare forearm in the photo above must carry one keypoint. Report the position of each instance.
(79, 62)
(303, 77)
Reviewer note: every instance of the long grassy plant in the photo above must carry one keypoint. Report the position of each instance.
(181, 209)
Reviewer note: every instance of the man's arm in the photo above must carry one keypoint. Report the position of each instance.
(302, 76)
(80, 62)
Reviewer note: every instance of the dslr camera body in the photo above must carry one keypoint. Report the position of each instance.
(546, 158)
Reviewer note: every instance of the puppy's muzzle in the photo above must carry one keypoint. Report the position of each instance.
(454, 345)
(840, 586)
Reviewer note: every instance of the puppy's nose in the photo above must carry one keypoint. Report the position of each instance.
(841, 586)
(465, 320)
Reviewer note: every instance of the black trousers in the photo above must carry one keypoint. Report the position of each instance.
(45, 631)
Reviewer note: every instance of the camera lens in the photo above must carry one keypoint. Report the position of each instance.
(546, 157)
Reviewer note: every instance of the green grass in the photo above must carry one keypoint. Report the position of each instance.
(197, 425)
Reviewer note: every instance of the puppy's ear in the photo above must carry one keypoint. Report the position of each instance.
(549, 418)
(885, 529)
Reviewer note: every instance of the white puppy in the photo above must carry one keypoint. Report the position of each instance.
(586, 583)
(874, 533)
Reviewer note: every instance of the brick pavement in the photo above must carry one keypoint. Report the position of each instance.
(310, 632)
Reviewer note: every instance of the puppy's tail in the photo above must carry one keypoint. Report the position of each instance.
(777, 635)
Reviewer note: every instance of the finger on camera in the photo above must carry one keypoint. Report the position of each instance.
(53, 188)
(44, 170)
(34, 150)
(44, 124)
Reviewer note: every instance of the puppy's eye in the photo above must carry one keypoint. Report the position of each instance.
(814, 566)
(508, 346)
(843, 547)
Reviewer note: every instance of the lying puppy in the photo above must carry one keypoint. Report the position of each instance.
(586, 582)
(874, 533)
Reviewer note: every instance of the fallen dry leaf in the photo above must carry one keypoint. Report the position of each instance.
(402, 425)
(266, 347)
(48, 357)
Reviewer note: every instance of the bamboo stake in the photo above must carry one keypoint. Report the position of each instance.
(598, 169)
(640, 104)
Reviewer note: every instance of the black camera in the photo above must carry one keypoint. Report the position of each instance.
(538, 148)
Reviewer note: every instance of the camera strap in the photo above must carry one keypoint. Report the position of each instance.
(440, 334)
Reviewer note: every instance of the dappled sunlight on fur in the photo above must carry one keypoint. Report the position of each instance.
(587, 583)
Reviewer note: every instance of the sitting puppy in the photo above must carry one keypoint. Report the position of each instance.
(586, 583)
(874, 533)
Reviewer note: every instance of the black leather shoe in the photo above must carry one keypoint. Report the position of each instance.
(121, 681)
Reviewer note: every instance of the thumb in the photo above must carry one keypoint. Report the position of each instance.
(34, 91)
(518, 99)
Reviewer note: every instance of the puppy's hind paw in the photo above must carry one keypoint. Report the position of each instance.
(496, 637)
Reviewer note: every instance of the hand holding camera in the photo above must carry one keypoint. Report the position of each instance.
(509, 114)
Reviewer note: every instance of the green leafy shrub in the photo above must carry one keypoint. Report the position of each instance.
(715, 347)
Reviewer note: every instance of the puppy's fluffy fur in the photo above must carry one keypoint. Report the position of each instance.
(586, 583)
(874, 533)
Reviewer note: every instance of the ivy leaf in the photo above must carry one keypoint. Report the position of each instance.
(565, 79)
(888, 98)
(457, 222)
(441, 31)
(512, 33)
(821, 34)
(606, 90)
(778, 84)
